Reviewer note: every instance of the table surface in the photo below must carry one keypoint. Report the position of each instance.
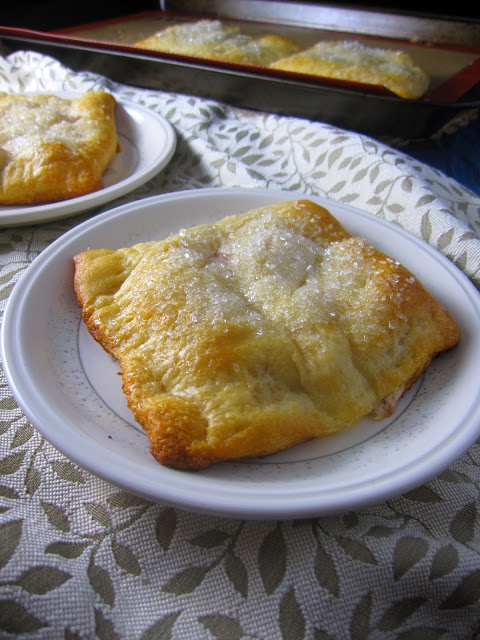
(82, 559)
(454, 152)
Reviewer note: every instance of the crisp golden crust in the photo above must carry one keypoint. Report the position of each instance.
(216, 40)
(245, 337)
(54, 148)
(356, 62)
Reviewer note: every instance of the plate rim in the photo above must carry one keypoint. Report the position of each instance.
(241, 507)
(32, 214)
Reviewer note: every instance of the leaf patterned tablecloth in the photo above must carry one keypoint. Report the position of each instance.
(80, 559)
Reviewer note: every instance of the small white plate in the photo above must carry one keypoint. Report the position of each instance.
(147, 144)
(70, 391)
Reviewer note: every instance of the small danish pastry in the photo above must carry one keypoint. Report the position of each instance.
(266, 329)
(216, 40)
(54, 148)
(357, 62)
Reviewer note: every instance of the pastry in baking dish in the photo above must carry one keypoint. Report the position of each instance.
(216, 40)
(54, 148)
(357, 62)
(268, 328)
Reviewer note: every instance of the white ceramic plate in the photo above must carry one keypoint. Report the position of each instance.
(69, 389)
(147, 142)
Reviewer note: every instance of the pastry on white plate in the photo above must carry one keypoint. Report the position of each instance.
(266, 329)
(54, 148)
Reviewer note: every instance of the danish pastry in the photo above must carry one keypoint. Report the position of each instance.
(354, 61)
(54, 148)
(266, 329)
(216, 40)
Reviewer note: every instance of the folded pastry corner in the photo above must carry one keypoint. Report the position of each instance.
(54, 148)
(266, 329)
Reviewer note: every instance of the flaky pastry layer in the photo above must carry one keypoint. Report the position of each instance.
(54, 148)
(248, 336)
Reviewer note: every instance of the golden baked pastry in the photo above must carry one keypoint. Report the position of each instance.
(248, 336)
(357, 62)
(216, 40)
(54, 148)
